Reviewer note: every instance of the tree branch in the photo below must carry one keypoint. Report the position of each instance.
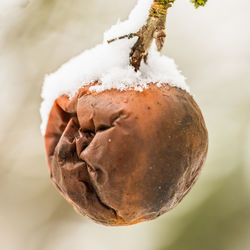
(153, 29)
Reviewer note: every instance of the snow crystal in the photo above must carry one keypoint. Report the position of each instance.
(109, 65)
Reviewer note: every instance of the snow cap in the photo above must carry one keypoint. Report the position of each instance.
(109, 65)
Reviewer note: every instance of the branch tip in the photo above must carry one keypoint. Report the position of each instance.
(129, 36)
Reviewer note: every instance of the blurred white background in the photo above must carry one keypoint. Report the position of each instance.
(211, 47)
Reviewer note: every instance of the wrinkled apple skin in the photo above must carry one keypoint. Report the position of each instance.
(122, 157)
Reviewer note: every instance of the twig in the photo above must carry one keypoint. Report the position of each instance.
(153, 29)
(129, 36)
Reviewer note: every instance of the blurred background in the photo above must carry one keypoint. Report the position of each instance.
(211, 45)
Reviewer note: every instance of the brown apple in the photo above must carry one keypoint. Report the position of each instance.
(122, 157)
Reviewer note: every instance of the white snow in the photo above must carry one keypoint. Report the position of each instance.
(109, 65)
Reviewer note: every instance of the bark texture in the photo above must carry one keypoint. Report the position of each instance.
(153, 29)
